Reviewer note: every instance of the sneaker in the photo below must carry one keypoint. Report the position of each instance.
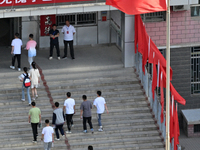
(19, 69)
(58, 58)
(50, 58)
(85, 131)
(64, 57)
(29, 104)
(68, 132)
(57, 139)
(23, 100)
(36, 96)
(100, 129)
(12, 67)
(72, 125)
(92, 130)
(33, 99)
(34, 141)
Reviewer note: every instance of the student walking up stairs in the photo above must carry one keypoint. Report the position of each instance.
(129, 124)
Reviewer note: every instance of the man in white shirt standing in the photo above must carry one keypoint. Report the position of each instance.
(16, 51)
(47, 136)
(69, 109)
(68, 31)
(100, 104)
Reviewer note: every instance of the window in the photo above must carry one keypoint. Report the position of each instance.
(195, 11)
(195, 70)
(153, 17)
(196, 128)
(77, 19)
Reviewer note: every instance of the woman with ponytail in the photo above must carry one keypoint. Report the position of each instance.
(21, 77)
(35, 80)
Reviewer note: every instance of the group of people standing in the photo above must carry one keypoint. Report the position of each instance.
(66, 114)
(68, 31)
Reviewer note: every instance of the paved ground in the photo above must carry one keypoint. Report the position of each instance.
(189, 143)
(85, 56)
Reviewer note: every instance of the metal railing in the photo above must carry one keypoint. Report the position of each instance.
(146, 81)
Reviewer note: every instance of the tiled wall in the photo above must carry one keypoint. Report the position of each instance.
(184, 29)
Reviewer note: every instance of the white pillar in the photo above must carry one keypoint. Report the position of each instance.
(128, 35)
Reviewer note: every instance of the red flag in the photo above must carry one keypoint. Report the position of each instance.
(136, 32)
(177, 96)
(158, 56)
(154, 80)
(142, 42)
(134, 7)
(161, 97)
(176, 129)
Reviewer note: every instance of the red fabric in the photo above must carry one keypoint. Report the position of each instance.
(142, 42)
(158, 56)
(176, 129)
(177, 96)
(133, 7)
(161, 100)
(136, 32)
(154, 80)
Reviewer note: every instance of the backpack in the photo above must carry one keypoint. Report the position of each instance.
(27, 81)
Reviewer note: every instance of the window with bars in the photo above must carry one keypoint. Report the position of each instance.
(195, 70)
(77, 19)
(153, 17)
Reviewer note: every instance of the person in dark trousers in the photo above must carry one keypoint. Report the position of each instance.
(54, 34)
(90, 147)
(16, 51)
(58, 120)
(69, 108)
(34, 118)
(86, 114)
(68, 31)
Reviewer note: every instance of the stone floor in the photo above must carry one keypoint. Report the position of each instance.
(85, 56)
(189, 143)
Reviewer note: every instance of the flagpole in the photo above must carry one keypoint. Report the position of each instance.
(167, 144)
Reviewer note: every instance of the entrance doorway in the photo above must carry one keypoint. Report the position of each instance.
(8, 27)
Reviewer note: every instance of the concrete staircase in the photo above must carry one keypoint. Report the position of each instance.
(129, 125)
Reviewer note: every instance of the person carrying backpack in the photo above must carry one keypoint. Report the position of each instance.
(26, 83)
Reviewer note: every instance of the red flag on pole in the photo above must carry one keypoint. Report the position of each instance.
(158, 56)
(176, 129)
(136, 32)
(134, 7)
(161, 97)
(154, 80)
(142, 42)
(177, 96)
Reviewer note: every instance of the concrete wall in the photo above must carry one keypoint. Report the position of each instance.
(184, 29)
(86, 35)
(30, 26)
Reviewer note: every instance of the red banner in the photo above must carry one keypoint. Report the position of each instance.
(6, 3)
(46, 22)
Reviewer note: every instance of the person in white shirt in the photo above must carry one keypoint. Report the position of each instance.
(68, 31)
(16, 51)
(69, 109)
(100, 104)
(47, 136)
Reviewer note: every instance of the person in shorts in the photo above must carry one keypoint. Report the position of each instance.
(47, 136)
(35, 80)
